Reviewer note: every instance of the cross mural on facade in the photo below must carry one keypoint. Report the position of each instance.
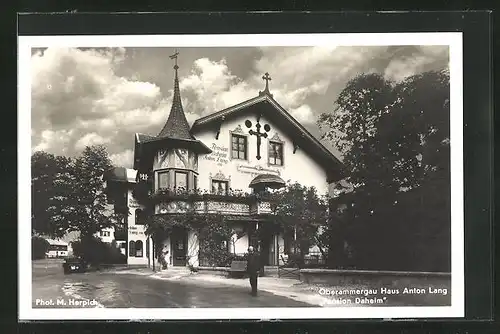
(257, 133)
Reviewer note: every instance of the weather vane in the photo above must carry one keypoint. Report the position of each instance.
(174, 56)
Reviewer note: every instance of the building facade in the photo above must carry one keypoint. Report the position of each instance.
(226, 159)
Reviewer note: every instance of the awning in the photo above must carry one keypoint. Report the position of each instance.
(267, 180)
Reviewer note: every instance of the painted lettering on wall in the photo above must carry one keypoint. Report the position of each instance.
(134, 230)
(220, 154)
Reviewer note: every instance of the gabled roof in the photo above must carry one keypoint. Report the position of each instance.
(268, 107)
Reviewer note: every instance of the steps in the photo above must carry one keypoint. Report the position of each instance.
(178, 270)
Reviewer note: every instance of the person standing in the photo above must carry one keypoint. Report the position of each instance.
(253, 269)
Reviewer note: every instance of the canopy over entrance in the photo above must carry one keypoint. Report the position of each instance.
(267, 181)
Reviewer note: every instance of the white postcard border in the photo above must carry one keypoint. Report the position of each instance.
(453, 40)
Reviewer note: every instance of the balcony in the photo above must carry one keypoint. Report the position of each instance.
(232, 203)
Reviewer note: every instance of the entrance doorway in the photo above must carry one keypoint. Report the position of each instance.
(268, 250)
(178, 239)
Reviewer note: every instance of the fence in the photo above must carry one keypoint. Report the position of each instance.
(314, 260)
(291, 266)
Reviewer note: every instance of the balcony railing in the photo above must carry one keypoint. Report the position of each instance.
(235, 196)
(232, 202)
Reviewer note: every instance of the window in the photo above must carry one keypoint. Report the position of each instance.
(139, 217)
(226, 245)
(104, 233)
(239, 147)
(195, 182)
(163, 180)
(147, 248)
(131, 249)
(181, 180)
(219, 187)
(138, 248)
(275, 153)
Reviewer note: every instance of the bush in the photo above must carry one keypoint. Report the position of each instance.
(235, 257)
(39, 247)
(216, 257)
(96, 252)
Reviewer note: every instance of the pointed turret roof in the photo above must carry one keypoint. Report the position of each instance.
(177, 126)
(175, 133)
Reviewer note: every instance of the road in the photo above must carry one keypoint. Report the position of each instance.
(112, 290)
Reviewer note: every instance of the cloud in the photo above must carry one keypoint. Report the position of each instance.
(54, 141)
(96, 96)
(303, 114)
(80, 90)
(124, 158)
(89, 140)
(422, 59)
(211, 87)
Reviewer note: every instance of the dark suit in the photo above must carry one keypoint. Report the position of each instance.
(253, 268)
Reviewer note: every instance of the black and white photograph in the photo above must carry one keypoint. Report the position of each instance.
(244, 177)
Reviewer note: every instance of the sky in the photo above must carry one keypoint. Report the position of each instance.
(90, 96)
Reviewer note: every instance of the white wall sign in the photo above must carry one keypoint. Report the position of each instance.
(257, 170)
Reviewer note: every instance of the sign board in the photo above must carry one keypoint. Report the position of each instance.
(257, 170)
(135, 230)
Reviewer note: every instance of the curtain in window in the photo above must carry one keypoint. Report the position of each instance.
(180, 180)
(138, 248)
(131, 249)
(162, 180)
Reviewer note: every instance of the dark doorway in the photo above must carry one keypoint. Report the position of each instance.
(179, 246)
(265, 248)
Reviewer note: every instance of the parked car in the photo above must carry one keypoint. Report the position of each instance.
(74, 265)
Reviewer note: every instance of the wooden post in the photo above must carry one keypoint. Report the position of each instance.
(153, 244)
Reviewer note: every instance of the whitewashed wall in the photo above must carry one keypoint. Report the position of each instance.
(298, 167)
(239, 246)
(135, 233)
(193, 249)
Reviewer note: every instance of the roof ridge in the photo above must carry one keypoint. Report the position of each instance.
(267, 97)
(236, 106)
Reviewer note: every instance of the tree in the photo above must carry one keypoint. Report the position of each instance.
(80, 202)
(395, 142)
(353, 126)
(301, 213)
(39, 247)
(46, 171)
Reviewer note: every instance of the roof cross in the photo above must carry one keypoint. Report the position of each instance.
(266, 77)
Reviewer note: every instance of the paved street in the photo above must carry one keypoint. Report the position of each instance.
(114, 290)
